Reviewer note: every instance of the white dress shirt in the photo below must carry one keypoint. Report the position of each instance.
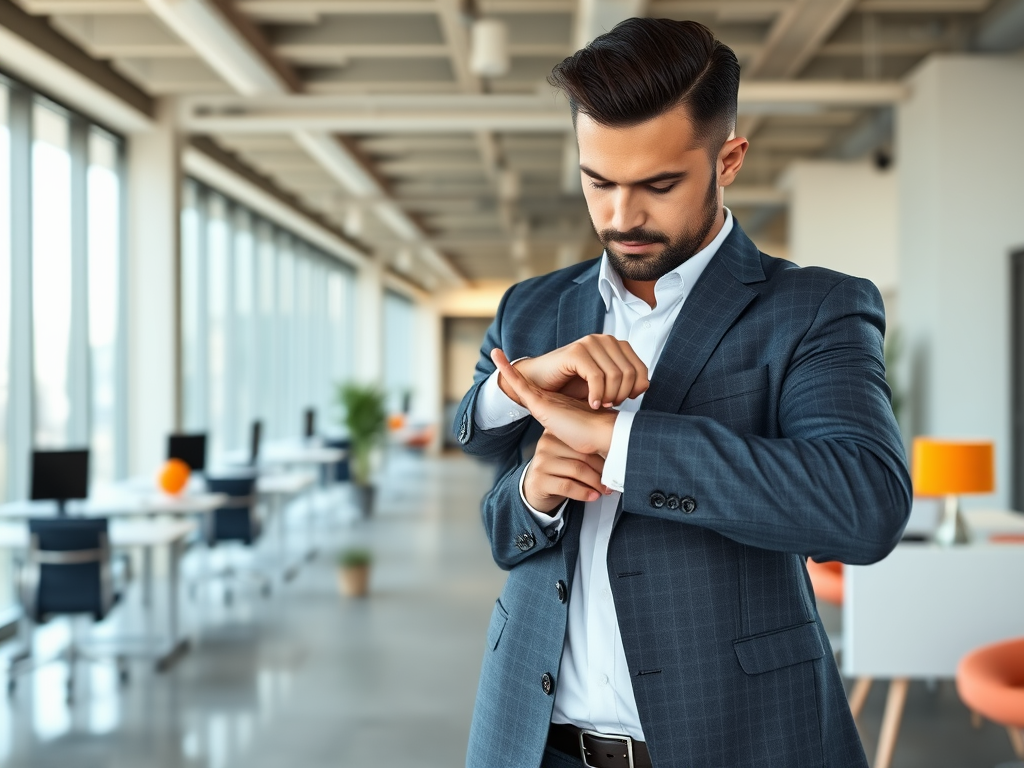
(594, 689)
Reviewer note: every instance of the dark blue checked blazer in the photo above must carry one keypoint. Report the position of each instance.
(766, 437)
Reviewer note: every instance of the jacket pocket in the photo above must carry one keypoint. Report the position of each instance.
(498, 620)
(781, 648)
(724, 387)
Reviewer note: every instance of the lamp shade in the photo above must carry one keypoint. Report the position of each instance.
(953, 467)
(488, 55)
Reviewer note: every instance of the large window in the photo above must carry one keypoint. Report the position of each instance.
(265, 323)
(399, 332)
(51, 275)
(61, 287)
(104, 225)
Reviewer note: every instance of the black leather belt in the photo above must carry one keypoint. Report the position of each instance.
(599, 750)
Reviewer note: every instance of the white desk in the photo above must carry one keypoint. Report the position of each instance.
(118, 502)
(137, 534)
(918, 612)
(287, 453)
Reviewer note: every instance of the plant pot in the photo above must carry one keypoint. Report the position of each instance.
(354, 581)
(365, 497)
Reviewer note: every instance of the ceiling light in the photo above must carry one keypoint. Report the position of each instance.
(489, 48)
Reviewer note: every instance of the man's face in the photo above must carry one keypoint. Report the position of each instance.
(652, 190)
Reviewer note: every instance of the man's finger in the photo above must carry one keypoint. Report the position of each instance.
(512, 377)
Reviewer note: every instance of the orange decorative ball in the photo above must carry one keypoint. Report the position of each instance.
(174, 476)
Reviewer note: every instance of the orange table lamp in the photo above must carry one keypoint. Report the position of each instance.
(951, 468)
(174, 476)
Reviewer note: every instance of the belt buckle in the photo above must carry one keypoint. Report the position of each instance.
(626, 741)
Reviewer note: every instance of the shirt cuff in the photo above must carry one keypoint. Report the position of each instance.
(614, 475)
(551, 524)
(494, 408)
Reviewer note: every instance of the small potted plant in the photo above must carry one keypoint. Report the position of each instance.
(354, 571)
(365, 419)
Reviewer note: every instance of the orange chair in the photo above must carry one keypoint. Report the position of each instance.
(827, 582)
(990, 681)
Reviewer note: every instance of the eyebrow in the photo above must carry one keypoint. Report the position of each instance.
(666, 176)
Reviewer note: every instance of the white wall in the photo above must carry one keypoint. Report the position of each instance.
(844, 216)
(154, 185)
(961, 190)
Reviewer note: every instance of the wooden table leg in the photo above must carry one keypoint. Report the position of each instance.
(859, 694)
(894, 704)
(1017, 739)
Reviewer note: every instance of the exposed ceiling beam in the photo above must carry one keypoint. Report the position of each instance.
(91, 7)
(32, 50)
(797, 34)
(922, 6)
(235, 48)
(468, 112)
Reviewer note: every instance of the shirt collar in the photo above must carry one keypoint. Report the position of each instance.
(676, 284)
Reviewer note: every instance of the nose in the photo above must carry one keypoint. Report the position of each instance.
(627, 213)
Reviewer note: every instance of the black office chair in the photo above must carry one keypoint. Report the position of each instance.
(339, 471)
(236, 521)
(68, 570)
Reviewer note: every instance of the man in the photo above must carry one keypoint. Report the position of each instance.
(702, 417)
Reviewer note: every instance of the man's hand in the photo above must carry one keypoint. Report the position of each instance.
(557, 473)
(570, 420)
(599, 368)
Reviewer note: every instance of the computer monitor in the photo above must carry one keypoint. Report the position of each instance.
(189, 448)
(309, 423)
(60, 475)
(254, 442)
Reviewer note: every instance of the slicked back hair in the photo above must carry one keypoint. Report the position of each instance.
(646, 67)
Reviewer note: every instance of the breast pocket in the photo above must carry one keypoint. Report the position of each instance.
(737, 400)
(499, 618)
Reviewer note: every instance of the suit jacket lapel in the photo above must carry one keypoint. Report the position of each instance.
(716, 301)
(580, 308)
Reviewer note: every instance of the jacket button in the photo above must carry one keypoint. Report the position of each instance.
(562, 590)
(672, 502)
(688, 504)
(657, 499)
(525, 541)
(547, 683)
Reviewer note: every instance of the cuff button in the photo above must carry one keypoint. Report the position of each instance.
(688, 504)
(657, 499)
(672, 502)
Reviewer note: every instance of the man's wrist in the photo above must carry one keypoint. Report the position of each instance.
(507, 390)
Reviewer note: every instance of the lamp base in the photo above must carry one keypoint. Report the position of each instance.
(952, 530)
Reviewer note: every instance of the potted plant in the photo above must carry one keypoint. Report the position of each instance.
(354, 571)
(365, 418)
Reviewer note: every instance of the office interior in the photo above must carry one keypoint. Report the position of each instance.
(215, 213)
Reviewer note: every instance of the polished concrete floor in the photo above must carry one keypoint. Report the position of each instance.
(307, 678)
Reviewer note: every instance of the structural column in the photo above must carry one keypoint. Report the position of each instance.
(154, 189)
(961, 191)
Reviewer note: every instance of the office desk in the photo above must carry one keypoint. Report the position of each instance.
(277, 487)
(120, 502)
(918, 612)
(137, 534)
(288, 454)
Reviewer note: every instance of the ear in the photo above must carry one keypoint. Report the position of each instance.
(730, 160)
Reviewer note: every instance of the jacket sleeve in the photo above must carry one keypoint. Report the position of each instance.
(834, 486)
(494, 445)
(512, 530)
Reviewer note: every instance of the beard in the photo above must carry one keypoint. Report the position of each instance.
(650, 267)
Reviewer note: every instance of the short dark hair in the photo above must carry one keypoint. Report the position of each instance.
(645, 67)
